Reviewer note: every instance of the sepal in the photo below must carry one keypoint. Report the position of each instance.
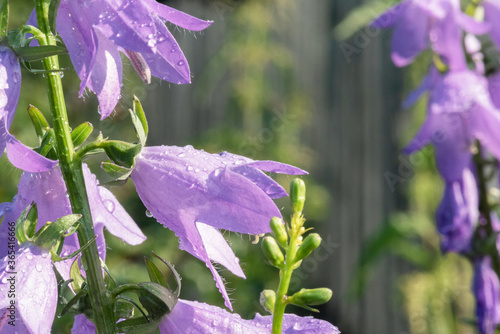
(120, 152)
(156, 299)
(268, 299)
(39, 122)
(81, 133)
(26, 224)
(51, 233)
(139, 120)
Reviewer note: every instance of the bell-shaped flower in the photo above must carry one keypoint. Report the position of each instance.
(195, 193)
(458, 213)
(28, 291)
(422, 24)
(486, 289)
(10, 88)
(194, 317)
(48, 191)
(459, 110)
(95, 32)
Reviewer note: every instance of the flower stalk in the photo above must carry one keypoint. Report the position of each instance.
(72, 172)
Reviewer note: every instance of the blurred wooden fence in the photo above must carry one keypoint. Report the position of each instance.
(356, 92)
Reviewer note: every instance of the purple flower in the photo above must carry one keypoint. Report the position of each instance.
(96, 31)
(195, 193)
(48, 191)
(35, 288)
(419, 24)
(458, 213)
(459, 111)
(193, 317)
(10, 87)
(486, 288)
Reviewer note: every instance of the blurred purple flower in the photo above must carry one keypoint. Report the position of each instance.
(96, 31)
(459, 110)
(195, 193)
(491, 14)
(458, 213)
(48, 191)
(35, 292)
(419, 24)
(193, 317)
(486, 289)
(19, 155)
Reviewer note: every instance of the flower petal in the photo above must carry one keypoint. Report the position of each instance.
(25, 158)
(177, 17)
(193, 317)
(82, 325)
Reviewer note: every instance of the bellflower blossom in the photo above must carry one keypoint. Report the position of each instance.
(195, 193)
(459, 111)
(35, 292)
(486, 288)
(420, 24)
(10, 88)
(194, 317)
(95, 32)
(48, 191)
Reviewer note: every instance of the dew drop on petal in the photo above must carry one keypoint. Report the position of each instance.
(180, 63)
(149, 214)
(4, 280)
(110, 206)
(181, 155)
(29, 257)
(39, 267)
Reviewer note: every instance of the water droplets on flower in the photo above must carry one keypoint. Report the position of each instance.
(39, 267)
(149, 214)
(110, 206)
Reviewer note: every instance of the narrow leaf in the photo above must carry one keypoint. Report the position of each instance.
(139, 120)
(39, 122)
(115, 171)
(53, 8)
(52, 232)
(162, 293)
(171, 267)
(76, 275)
(32, 53)
(81, 133)
(155, 274)
(4, 18)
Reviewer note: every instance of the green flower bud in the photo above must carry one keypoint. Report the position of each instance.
(310, 243)
(311, 296)
(120, 152)
(268, 299)
(272, 252)
(279, 231)
(298, 194)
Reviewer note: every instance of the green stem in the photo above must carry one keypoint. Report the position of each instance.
(286, 274)
(72, 172)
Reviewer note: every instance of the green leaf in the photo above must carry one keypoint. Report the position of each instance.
(53, 8)
(120, 152)
(139, 120)
(32, 53)
(76, 275)
(73, 301)
(176, 274)
(4, 18)
(156, 299)
(47, 143)
(49, 234)
(16, 38)
(39, 122)
(115, 171)
(155, 274)
(81, 133)
(137, 326)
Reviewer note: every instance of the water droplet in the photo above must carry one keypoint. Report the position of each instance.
(110, 206)
(189, 168)
(223, 154)
(29, 257)
(180, 63)
(4, 280)
(39, 267)
(44, 255)
(196, 170)
(16, 77)
(181, 155)
(236, 260)
(149, 214)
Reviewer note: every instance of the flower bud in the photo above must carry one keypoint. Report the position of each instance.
(310, 243)
(268, 299)
(311, 296)
(272, 251)
(279, 231)
(297, 194)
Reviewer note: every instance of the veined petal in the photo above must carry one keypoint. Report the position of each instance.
(106, 76)
(177, 17)
(36, 287)
(193, 317)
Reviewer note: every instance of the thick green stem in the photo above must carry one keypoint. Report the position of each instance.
(73, 176)
(286, 274)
